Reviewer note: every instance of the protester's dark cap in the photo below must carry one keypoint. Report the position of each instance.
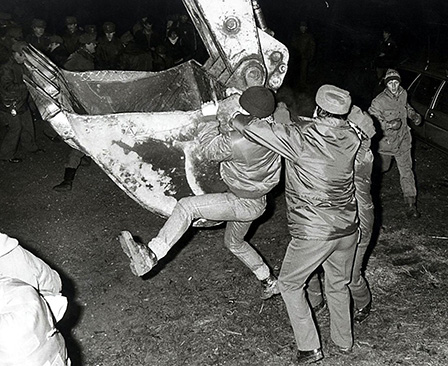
(258, 101)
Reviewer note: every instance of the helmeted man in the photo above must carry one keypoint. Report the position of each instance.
(392, 110)
(146, 37)
(83, 59)
(109, 48)
(15, 112)
(319, 156)
(38, 38)
(71, 34)
(56, 50)
(249, 171)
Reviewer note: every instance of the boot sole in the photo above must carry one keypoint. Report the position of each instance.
(135, 252)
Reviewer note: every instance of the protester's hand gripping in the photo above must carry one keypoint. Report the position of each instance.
(362, 120)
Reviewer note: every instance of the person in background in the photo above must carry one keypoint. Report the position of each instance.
(145, 36)
(109, 48)
(56, 50)
(359, 288)
(387, 55)
(191, 42)
(91, 29)
(71, 34)
(31, 303)
(15, 112)
(249, 170)
(319, 157)
(174, 47)
(134, 57)
(14, 34)
(391, 109)
(161, 59)
(303, 48)
(81, 60)
(38, 37)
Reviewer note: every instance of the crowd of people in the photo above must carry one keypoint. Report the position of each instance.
(141, 48)
(328, 166)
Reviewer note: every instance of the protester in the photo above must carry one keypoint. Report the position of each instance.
(319, 156)
(392, 110)
(249, 170)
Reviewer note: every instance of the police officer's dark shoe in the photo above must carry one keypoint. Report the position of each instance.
(307, 357)
(361, 314)
(270, 287)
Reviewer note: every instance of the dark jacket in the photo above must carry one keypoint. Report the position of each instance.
(41, 43)
(13, 91)
(108, 53)
(81, 60)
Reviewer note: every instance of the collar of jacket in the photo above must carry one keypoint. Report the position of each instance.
(331, 121)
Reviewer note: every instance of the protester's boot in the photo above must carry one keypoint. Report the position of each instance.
(411, 208)
(66, 184)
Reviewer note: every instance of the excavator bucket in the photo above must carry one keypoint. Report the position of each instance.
(141, 128)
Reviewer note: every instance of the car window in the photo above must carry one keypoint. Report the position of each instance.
(442, 100)
(407, 77)
(424, 90)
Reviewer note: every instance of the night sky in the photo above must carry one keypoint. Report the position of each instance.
(416, 22)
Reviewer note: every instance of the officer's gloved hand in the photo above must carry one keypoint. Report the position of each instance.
(394, 124)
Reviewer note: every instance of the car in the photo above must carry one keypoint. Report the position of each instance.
(427, 87)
